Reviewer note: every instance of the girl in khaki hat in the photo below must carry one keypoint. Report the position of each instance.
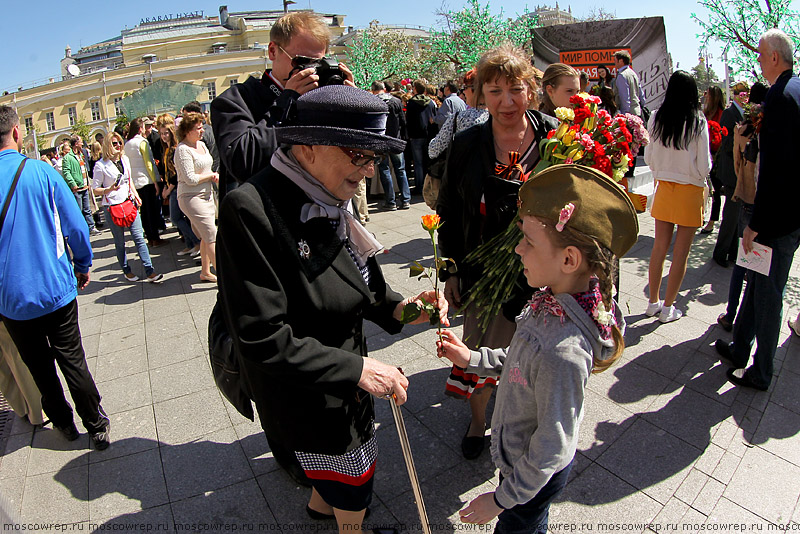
(574, 221)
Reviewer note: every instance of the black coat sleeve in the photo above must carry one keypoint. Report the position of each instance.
(256, 304)
(243, 120)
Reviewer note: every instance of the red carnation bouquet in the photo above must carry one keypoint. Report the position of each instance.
(592, 137)
(715, 135)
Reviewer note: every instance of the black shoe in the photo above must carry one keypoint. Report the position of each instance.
(472, 446)
(385, 206)
(723, 321)
(101, 440)
(743, 381)
(722, 263)
(405, 206)
(70, 432)
(725, 350)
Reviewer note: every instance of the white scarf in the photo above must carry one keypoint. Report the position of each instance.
(325, 204)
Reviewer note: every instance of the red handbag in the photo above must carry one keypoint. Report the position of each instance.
(123, 214)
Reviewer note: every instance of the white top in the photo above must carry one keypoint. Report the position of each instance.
(133, 149)
(189, 163)
(105, 174)
(689, 166)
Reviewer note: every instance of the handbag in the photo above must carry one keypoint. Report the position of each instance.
(433, 180)
(124, 213)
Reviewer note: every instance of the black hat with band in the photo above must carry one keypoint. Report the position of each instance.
(340, 115)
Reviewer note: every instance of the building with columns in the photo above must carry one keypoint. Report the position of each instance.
(213, 52)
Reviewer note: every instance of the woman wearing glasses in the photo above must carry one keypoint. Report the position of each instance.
(111, 179)
(195, 188)
(297, 277)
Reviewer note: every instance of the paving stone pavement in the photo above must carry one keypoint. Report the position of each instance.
(666, 443)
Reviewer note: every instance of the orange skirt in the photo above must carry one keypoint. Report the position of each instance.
(680, 204)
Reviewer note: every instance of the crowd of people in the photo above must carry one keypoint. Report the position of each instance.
(297, 269)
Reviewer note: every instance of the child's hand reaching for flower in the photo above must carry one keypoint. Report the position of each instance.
(481, 510)
(452, 348)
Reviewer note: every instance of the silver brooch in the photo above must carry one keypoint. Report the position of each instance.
(304, 249)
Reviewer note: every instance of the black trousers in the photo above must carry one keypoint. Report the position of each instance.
(532, 517)
(56, 338)
(152, 221)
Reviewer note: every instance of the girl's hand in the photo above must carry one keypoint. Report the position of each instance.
(452, 348)
(425, 296)
(481, 510)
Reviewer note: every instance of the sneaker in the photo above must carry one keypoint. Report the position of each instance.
(195, 252)
(186, 251)
(101, 440)
(669, 314)
(794, 326)
(385, 206)
(405, 206)
(70, 432)
(653, 308)
(95, 231)
(130, 277)
(155, 278)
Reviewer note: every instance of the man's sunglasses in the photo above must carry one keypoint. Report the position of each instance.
(298, 62)
(361, 160)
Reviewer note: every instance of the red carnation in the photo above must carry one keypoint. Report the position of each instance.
(603, 164)
(581, 114)
(550, 134)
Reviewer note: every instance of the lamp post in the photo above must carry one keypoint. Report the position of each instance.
(286, 4)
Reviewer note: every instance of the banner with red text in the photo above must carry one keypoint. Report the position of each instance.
(586, 45)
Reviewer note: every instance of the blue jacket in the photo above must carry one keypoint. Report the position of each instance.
(36, 274)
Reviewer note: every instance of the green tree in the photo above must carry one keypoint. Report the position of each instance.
(81, 128)
(378, 53)
(463, 36)
(705, 77)
(738, 24)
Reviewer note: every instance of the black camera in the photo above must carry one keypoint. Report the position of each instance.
(326, 68)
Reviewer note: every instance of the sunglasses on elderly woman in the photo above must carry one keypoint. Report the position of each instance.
(116, 143)
(361, 160)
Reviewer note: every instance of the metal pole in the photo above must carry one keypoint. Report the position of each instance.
(727, 76)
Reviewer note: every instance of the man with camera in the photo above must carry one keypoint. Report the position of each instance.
(243, 118)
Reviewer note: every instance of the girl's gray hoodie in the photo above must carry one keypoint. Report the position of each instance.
(539, 405)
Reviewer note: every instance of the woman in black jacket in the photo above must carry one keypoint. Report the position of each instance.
(486, 165)
(297, 277)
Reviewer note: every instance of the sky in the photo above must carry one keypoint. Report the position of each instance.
(41, 30)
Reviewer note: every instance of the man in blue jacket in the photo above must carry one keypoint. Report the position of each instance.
(38, 289)
(775, 221)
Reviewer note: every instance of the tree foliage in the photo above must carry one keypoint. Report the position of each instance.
(465, 35)
(379, 53)
(455, 45)
(81, 128)
(739, 23)
(705, 76)
(599, 13)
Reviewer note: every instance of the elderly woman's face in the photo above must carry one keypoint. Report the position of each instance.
(334, 167)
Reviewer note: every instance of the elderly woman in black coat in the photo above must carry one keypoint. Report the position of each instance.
(297, 278)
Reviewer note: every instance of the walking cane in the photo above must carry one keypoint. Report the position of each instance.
(412, 471)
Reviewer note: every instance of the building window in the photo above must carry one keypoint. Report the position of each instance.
(28, 125)
(95, 110)
(117, 108)
(212, 90)
(73, 115)
(50, 119)
(232, 81)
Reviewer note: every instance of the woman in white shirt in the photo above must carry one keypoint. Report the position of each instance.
(115, 165)
(196, 188)
(680, 160)
(146, 180)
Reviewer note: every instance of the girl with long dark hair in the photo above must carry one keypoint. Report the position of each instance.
(680, 160)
